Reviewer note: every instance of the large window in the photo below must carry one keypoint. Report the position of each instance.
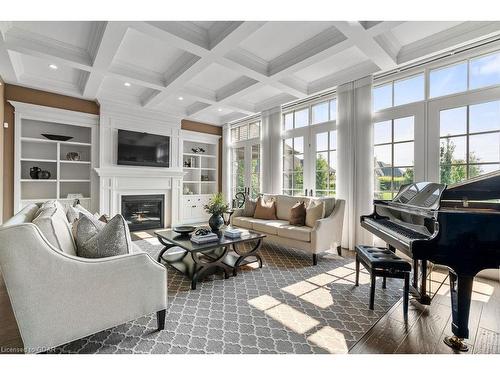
(310, 149)
(326, 163)
(245, 158)
(393, 155)
(469, 141)
(293, 166)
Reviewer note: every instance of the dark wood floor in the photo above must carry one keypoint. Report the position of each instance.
(424, 333)
(428, 325)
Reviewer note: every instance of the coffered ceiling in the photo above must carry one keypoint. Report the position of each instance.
(215, 71)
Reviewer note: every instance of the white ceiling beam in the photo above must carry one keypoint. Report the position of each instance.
(240, 32)
(367, 44)
(112, 35)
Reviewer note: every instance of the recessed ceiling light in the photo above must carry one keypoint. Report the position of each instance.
(180, 98)
(127, 84)
(53, 66)
(220, 109)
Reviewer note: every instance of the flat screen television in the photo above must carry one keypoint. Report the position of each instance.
(135, 148)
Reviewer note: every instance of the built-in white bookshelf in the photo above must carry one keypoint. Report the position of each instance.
(200, 174)
(200, 168)
(32, 149)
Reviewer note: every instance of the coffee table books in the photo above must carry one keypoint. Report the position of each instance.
(232, 232)
(204, 238)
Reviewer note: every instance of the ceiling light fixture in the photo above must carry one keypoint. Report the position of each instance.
(127, 84)
(180, 98)
(220, 109)
(53, 66)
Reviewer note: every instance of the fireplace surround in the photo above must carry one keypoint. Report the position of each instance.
(143, 211)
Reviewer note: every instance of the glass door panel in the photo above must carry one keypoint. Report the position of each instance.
(255, 171)
(238, 170)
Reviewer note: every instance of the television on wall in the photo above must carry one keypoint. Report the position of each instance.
(143, 149)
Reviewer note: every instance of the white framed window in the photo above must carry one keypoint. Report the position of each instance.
(394, 150)
(309, 159)
(399, 92)
(310, 114)
(469, 141)
(245, 158)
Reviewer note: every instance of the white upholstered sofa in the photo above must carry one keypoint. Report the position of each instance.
(325, 235)
(58, 297)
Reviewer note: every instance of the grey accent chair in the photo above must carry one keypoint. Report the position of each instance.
(58, 297)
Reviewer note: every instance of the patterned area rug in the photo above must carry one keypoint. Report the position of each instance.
(288, 306)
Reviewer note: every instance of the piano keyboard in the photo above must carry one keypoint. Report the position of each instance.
(399, 230)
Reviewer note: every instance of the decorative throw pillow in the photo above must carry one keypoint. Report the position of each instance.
(314, 212)
(265, 210)
(298, 214)
(98, 225)
(113, 239)
(249, 208)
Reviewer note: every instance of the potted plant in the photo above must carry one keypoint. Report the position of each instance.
(216, 206)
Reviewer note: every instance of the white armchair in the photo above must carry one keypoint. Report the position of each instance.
(57, 297)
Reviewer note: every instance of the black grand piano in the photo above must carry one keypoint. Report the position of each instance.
(456, 226)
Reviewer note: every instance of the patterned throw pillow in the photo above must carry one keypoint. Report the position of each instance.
(298, 214)
(265, 210)
(110, 240)
(249, 208)
(314, 212)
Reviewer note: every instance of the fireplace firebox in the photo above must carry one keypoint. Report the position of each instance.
(143, 211)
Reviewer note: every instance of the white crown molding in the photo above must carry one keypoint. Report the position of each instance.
(51, 114)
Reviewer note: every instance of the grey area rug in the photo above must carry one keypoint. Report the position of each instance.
(288, 306)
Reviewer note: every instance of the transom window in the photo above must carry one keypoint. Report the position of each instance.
(393, 155)
(314, 114)
(469, 141)
(399, 92)
(245, 132)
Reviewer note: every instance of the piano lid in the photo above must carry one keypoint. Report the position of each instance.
(420, 195)
(481, 188)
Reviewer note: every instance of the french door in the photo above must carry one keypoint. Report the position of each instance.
(246, 168)
(310, 160)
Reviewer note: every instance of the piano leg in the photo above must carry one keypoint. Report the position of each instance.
(461, 291)
(415, 273)
(425, 299)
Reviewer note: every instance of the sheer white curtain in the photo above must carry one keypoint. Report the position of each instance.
(355, 157)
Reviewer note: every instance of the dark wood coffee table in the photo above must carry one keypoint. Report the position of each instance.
(197, 260)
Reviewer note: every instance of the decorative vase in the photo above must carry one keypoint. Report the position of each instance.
(216, 222)
(34, 172)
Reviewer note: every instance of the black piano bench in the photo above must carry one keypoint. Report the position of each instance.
(380, 261)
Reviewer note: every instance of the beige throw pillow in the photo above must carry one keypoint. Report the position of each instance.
(314, 212)
(265, 210)
(298, 214)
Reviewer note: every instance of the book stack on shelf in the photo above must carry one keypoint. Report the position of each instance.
(204, 238)
(232, 232)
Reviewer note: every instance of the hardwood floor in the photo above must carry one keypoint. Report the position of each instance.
(424, 333)
(9, 333)
(428, 325)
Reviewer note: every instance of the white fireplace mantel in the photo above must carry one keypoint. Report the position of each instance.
(122, 171)
(119, 181)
